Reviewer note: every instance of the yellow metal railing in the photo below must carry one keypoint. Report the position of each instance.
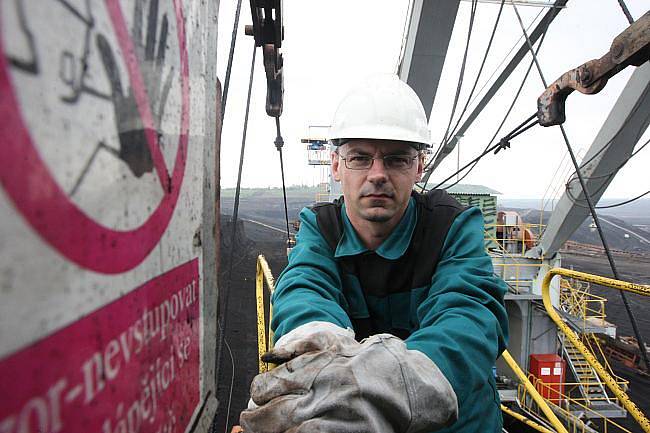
(592, 343)
(576, 405)
(527, 421)
(517, 237)
(589, 357)
(263, 277)
(569, 387)
(566, 406)
(264, 343)
(541, 402)
(581, 303)
(576, 299)
(513, 275)
(535, 229)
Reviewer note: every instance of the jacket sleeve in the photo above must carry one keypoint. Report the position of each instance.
(309, 289)
(463, 325)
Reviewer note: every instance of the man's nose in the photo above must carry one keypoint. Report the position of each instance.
(377, 172)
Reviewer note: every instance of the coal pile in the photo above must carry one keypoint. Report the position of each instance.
(620, 233)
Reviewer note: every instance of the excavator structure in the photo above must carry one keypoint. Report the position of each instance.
(110, 136)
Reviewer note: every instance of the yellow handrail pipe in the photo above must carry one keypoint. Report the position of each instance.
(263, 275)
(529, 422)
(639, 289)
(552, 418)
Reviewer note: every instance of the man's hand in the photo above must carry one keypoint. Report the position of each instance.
(310, 337)
(374, 386)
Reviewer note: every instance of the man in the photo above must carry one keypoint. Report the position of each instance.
(404, 273)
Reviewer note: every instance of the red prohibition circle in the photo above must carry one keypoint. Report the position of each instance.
(43, 203)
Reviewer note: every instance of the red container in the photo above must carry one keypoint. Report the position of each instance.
(550, 369)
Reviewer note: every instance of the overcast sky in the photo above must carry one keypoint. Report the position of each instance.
(330, 46)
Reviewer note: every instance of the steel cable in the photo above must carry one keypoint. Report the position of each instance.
(461, 75)
(480, 71)
(495, 86)
(233, 40)
(504, 143)
(575, 200)
(232, 383)
(624, 202)
(225, 292)
(626, 11)
(496, 69)
(505, 117)
(279, 142)
(602, 176)
(592, 210)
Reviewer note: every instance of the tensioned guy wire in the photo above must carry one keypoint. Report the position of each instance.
(225, 291)
(592, 210)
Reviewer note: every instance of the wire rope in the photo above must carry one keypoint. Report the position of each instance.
(233, 40)
(572, 178)
(505, 117)
(279, 142)
(538, 30)
(504, 143)
(611, 140)
(575, 201)
(225, 293)
(461, 75)
(232, 383)
(624, 202)
(613, 171)
(626, 11)
(505, 57)
(480, 70)
(592, 210)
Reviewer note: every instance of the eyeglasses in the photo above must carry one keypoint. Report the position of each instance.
(391, 162)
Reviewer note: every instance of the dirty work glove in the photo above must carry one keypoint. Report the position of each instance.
(374, 386)
(308, 337)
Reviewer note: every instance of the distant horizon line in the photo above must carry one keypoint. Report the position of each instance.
(499, 196)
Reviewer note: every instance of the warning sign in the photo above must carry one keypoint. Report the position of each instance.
(108, 274)
(127, 83)
(132, 366)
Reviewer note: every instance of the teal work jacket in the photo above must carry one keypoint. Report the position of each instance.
(459, 321)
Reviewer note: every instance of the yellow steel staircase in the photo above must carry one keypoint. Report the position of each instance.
(584, 312)
(593, 391)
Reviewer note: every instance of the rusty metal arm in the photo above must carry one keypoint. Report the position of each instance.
(631, 47)
(593, 362)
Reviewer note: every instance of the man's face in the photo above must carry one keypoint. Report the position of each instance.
(379, 193)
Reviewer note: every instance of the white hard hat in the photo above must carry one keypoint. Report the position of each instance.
(382, 108)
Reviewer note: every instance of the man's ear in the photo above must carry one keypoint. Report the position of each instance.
(421, 158)
(335, 167)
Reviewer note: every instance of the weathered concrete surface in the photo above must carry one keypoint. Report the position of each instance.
(108, 192)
